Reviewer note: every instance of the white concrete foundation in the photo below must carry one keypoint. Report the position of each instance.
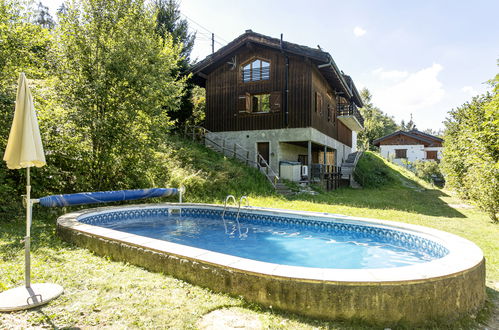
(280, 148)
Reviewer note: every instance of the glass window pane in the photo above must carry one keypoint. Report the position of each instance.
(265, 64)
(254, 103)
(265, 102)
(256, 74)
(256, 64)
(246, 73)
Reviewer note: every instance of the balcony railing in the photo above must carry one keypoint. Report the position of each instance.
(350, 110)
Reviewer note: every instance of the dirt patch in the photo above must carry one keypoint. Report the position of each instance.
(233, 318)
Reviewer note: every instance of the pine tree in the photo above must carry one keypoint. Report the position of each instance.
(169, 22)
(43, 17)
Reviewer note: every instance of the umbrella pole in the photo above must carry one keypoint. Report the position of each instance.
(27, 239)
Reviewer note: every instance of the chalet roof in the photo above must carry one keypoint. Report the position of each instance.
(415, 131)
(415, 134)
(325, 63)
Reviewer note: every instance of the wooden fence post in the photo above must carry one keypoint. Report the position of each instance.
(234, 150)
(247, 157)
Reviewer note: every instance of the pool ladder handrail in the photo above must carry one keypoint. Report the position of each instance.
(238, 211)
(225, 209)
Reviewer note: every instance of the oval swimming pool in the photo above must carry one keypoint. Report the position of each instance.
(317, 264)
(280, 240)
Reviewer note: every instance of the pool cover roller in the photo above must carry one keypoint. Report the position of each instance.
(106, 196)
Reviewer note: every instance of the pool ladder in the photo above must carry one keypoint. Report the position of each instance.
(238, 211)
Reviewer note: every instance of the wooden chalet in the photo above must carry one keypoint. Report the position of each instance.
(410, 146)
(286, 102)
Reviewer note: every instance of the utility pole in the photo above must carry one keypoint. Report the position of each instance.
(212, 43)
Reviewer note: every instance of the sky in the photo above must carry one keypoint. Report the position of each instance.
(416, 57)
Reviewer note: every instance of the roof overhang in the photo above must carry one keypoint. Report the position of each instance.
(425, 141)
(325, 63)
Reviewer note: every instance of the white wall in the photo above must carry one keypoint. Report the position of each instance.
(354, 141)
(414, 152)
(290, 151)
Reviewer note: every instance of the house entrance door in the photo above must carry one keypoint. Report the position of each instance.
(264, 151)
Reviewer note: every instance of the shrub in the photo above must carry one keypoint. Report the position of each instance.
(471, 155)
(427, 170)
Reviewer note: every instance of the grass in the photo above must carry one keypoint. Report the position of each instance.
(107, 294)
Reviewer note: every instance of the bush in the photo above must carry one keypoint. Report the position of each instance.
(471, 157)
(427, 170)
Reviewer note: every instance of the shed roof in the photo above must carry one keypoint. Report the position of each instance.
(325, 63)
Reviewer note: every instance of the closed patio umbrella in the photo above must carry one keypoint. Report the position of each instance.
(24, 150)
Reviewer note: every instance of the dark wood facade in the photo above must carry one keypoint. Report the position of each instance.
(311, 100)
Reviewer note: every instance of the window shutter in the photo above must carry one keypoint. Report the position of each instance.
(244, 103)
(275, 101)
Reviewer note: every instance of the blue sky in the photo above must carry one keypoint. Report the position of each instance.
(420, 57)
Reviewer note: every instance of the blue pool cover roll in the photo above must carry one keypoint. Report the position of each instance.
(105, 196)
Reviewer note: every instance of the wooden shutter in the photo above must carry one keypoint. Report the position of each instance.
(275, 101)
(244, 103)
(431, 155)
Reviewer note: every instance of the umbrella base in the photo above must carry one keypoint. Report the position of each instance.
(23, 298)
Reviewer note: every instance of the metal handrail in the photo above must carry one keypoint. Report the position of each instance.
(225, 209)
(270, 173)
(350, 109)
(238, 212)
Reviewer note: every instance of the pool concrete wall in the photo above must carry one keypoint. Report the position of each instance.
(443, 299)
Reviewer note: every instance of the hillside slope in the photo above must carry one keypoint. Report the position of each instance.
(208, 176)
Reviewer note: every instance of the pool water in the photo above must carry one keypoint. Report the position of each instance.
(276, 243)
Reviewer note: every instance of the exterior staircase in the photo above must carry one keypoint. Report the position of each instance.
(218, 144)
(348, 167)
(283, 189)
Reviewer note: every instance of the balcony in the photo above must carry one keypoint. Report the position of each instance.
(350, 115)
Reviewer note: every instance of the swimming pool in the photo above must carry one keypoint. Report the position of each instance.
(320, 265)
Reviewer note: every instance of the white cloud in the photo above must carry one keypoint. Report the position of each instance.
(469, 90)
(413, 92)
(358, 31)
(390, 75)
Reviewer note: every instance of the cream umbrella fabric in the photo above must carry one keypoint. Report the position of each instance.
(24, 147)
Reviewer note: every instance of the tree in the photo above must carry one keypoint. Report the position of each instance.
(24, 47)
(43, 17)
(409, 126)
(114, 80)
(438, 133)
(471, 151)
(169, 23)
(376, 123)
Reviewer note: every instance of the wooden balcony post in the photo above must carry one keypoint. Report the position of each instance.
(309, 161)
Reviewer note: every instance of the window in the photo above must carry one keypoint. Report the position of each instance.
(431, 155)
(256, 70)
(318, 103)
(400, 153)
(260, 103)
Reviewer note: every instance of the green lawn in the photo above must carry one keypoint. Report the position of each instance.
(103, 293)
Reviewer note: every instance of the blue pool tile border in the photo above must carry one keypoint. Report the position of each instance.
(386, 235)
